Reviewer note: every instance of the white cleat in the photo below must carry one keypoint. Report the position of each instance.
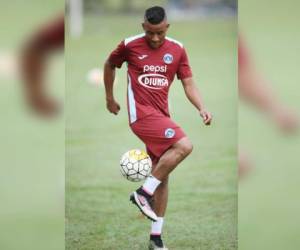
(144, 205)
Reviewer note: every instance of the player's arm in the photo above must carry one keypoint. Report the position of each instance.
(115, 60)
(193, 94)
(35, 54)
(256, 90)
(109, 78)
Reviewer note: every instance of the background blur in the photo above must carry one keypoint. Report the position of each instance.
(32, 148)
(269, 196)
(203, 191)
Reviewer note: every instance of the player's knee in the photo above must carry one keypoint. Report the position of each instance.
(185, 147)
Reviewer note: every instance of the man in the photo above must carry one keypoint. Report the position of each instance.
(153, 60)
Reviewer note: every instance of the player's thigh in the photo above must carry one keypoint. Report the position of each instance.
(159, 133)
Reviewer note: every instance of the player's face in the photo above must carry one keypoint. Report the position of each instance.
(155, 33)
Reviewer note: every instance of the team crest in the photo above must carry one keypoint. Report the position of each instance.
(168, 58)
(169, 133)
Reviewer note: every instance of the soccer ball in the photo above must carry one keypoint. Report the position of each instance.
(135, 165)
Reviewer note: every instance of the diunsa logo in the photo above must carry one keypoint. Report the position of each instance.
(153, 81)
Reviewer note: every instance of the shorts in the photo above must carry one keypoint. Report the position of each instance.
(158, 132)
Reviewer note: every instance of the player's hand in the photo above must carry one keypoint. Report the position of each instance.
(286, 120)
(112, 106)
(43, 105)
(206, 116)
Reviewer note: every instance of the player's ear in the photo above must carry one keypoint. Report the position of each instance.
(143, 25)
(168, 25)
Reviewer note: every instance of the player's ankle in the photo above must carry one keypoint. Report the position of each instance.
(155, 237)
(151, 184)
(143, 192)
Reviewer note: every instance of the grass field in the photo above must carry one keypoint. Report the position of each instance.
(268, 198)
(32, 148)
(202, 211)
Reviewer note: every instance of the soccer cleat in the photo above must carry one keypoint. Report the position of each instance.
(157, 244)
(143, 203)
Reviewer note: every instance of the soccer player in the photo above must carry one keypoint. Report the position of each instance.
(153, 60)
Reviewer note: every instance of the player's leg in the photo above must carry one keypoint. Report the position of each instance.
(159, 207)
(167, 142)
(167, 162)
(171, 158)
(160, 200)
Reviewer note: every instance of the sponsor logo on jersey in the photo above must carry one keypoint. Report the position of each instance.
(168, 58)
(142, 57)
(155, 68)
(169, 133)
(153, 81)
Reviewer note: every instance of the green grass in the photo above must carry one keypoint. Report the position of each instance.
(268, 203)
(32, 149)
(202, 209)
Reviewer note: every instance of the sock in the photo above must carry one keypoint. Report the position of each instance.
(151, 184)
(156, 227)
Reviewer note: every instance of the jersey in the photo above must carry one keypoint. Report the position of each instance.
(150, 73)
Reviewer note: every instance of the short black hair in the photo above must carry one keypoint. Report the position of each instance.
(155, 15)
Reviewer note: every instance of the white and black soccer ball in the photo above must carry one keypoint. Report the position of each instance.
(135, 165)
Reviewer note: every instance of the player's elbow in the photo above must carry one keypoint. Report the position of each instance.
(109, 65)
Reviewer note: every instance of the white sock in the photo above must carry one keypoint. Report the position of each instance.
(151, 184)
(156, 227)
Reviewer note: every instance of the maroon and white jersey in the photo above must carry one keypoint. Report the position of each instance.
(150, 73)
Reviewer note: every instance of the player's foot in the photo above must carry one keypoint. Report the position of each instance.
(142, 201)
(156, 243)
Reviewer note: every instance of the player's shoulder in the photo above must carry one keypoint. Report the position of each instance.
(174, 42)
(133, 39)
